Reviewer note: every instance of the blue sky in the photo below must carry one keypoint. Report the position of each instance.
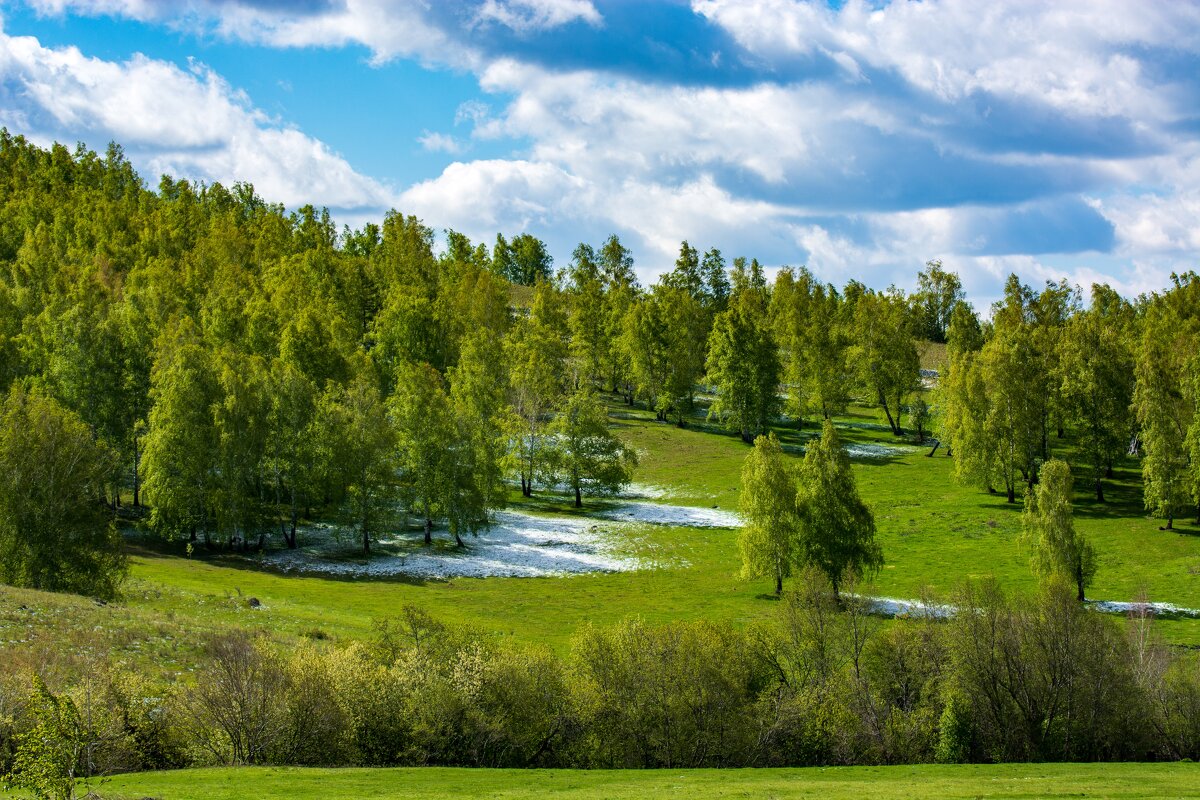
(859, 139)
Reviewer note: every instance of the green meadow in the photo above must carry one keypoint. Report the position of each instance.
(848, 783)
(935, 534)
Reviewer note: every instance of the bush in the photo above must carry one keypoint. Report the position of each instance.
(49, 751)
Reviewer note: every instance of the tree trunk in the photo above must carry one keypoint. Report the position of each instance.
(366, 531)
(578, 497)
(936, 444)
(291, 537)
(137, 482)
(1079, 578)
(1099, 491)
(429, 529)
(458, 540)
(891, 422)
(1012, 493)
(778, 583)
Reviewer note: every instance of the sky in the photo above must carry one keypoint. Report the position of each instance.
(859, 139)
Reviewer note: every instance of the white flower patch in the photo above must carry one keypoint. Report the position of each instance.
(517, 545)
(678, 516)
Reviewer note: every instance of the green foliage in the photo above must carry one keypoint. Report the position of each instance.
(838, 530)
(1166, 401)
(743, 365)
(48, 753)
(939, 293)
(1058, 550)
(56, 531)
(664, 697)
(885, 352)
(426, 441)
(357, 453)
(585, 453)
(770, 540)
(536, 352)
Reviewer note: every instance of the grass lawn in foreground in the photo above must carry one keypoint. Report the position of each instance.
(851, 783)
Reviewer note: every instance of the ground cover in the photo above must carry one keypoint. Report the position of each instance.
(852, 783)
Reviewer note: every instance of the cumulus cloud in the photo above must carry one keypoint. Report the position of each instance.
(190, 123)
(483, 197)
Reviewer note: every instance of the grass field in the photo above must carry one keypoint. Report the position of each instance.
(934, 534)
(851, 783)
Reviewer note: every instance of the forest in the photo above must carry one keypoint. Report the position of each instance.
(205, 365)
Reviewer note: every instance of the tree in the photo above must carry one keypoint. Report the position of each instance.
(291, 442)
(743, 365)
(478, 389)
(426, 437)
(1164, 404)
(837, 528)
(357, 449)
(965, 411)
(888, 364)
(56, 533)
(686, 276)
(180, 457)
(716, 281)
(48, 753)
(530, 261)
(587, 316)
(586, 453)
(684, 337)
(620, 291)
(1013, 429)
(1058, 549)
(770, 540)
(938, 294)
(1097, 374)
(536, 353)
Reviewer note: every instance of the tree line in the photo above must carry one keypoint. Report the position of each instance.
(821, 683)
(240, 368)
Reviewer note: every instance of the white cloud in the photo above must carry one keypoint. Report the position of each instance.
(389, 28)
(1070, 54)
(188, 123)
(531, 15)
(483, 197)
(434, 142)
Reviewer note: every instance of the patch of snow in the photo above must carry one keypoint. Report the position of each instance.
(1166, 609)
(645, 491)
(897, 607)
(679, 516)
(876, 450)
(516, 545)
